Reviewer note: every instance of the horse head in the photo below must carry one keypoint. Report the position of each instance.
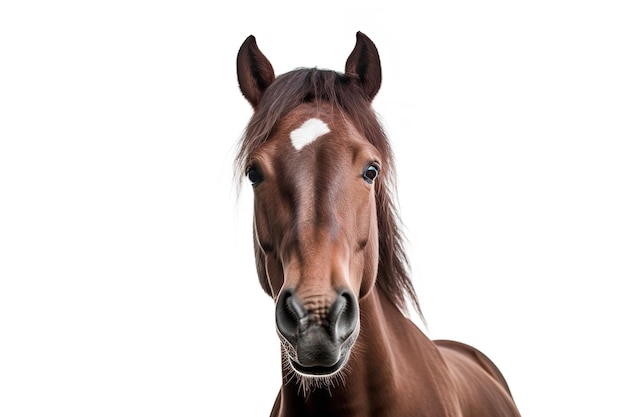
(314, 172)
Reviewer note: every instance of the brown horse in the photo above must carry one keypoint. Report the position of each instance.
(329, 251)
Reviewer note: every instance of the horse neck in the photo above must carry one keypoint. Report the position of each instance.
(376, 374)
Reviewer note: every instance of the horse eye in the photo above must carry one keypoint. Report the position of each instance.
(370, 173)
(254, 176)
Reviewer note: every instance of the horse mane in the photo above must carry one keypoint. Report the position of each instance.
(341, 91)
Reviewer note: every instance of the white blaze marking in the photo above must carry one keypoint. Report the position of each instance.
(308, 132)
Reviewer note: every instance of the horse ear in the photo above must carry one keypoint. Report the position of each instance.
(254, 71)
(364, 64)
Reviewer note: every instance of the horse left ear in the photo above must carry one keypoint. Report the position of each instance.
(254, 71)
(364, 64)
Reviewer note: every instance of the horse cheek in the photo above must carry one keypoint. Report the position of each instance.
(369, 254)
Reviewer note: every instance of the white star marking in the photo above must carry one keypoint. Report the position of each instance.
(310, 130)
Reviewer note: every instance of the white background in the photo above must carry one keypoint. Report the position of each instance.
(127, 281)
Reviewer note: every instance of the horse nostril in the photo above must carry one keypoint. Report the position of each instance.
(289, 313)
(343, 315)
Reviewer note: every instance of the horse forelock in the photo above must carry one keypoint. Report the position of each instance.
(324, 86)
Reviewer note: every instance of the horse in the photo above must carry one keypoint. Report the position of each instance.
(329, 251)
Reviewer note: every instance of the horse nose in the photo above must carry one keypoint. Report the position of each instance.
(317, 337)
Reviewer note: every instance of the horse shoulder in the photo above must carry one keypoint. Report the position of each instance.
(481, 388)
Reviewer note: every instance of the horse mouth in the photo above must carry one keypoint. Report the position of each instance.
(319, 371)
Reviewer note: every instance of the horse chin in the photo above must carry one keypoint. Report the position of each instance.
(323, 375)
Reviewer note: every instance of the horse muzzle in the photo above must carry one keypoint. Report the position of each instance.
(317, 336)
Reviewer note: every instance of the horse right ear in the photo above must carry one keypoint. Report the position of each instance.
(363, 64)
(254, 71)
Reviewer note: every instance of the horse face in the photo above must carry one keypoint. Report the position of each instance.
(314, 176)
(316, 232)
